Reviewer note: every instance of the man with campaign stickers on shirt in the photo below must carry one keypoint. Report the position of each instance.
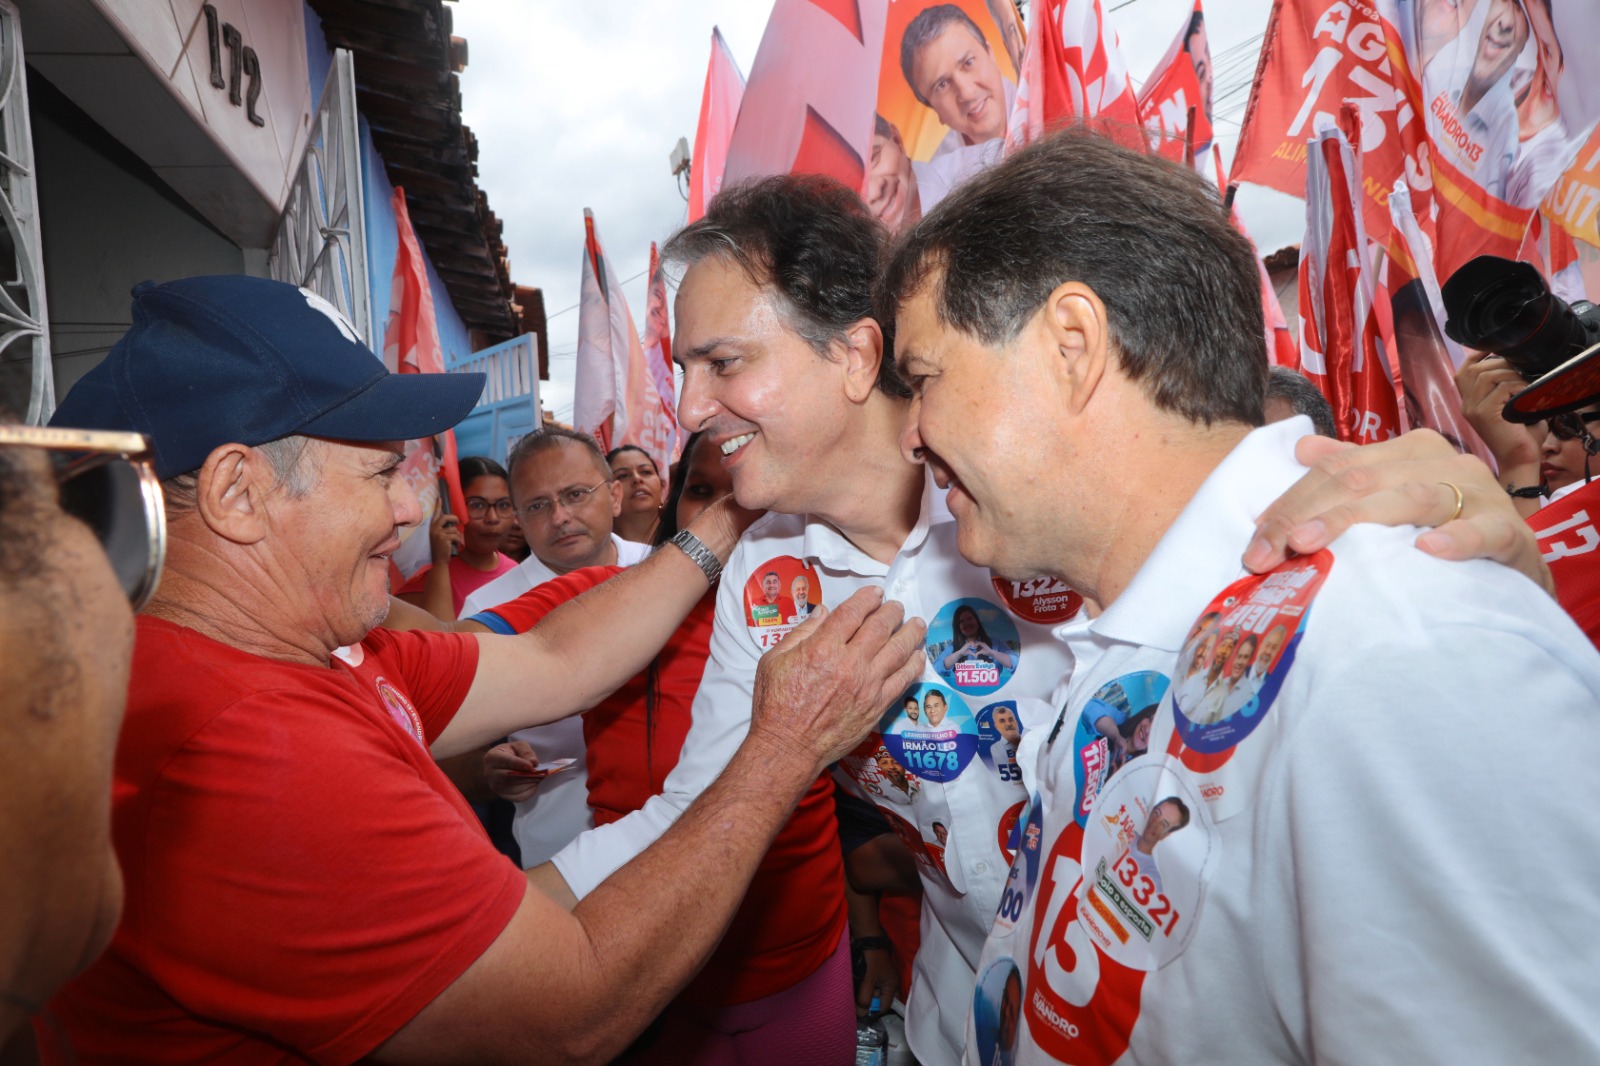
(1281, 885)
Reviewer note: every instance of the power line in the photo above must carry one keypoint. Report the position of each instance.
(579, 304)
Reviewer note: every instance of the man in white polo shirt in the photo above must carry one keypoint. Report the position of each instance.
(775, 305)
(1296, 882)
(566, 501)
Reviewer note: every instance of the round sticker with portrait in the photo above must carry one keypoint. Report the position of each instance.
(999, 733)
(779, 594)
(996, 1009)
(1240, 649)
(973, 646)
(872, 767)
(1148, 850)
(930, 732)
(1024, 872)
(1112, 730)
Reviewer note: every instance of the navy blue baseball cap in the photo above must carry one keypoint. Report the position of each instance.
(229, 358)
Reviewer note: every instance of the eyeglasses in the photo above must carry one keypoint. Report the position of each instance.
(107, 481)
(477, 507)
(1572, 425)
(571, 499)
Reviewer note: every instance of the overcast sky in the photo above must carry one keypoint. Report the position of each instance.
(578, 104)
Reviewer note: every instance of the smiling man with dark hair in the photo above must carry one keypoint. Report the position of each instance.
(1331, 892)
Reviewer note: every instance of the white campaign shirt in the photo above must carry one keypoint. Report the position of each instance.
(947, 774)
(559, 811)
(1388, 858)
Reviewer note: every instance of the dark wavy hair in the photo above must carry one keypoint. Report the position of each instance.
(811, 241)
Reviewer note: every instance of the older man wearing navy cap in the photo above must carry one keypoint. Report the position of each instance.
(302, 883)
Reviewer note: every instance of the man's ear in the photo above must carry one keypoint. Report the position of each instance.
(231, 490)
(616, 497)
(1075, 325)
(862, 346)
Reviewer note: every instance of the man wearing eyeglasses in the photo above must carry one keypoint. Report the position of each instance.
(566, 501)
(302, 882)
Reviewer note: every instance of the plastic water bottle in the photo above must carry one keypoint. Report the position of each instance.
(872, 1039)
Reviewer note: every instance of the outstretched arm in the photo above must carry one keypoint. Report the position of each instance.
(584, 649)
(1406, 481)
(577, 987)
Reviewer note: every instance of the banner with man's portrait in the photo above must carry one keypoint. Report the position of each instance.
(945, 91)
(1473, 102)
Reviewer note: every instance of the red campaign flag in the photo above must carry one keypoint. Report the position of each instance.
(1414, 331)
(808, 106)
(1341, 351)
(1282, 349)
(614, 393)
(1180, 81)
(1569, 535)
(1315, 56)
(411, 346)
(719, 109)
(1072, 68)
(657, 344)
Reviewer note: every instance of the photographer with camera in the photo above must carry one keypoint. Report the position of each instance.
(1536, 462)
(1530, 391)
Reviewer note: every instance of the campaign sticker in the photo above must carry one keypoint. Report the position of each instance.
(973, 646)
(405, 716)
(872, 767)
(1112, 730)
(929, 855)
(1239, 651)
(780, 594)
(999, 733)
(1148, 849)
(930, 732)
(1024, 872)
(1009, 831)
(1045, 600)
(996, 1009)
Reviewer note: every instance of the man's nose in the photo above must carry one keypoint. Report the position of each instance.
(695, 406)
(911, 446)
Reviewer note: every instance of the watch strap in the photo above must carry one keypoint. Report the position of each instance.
(702, 556)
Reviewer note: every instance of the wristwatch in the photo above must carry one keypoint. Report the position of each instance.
(703, 557)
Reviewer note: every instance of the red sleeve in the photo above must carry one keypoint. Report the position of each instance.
(524, 612)
(437, 669)
(316, 882)
(415, 582)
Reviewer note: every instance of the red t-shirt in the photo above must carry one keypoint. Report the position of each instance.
(301, 880)
(464, 579)
(794, 914)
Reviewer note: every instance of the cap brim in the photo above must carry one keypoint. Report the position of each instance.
(401, 407)
(1573, 384)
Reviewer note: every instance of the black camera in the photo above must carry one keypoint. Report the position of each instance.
(1505, 307)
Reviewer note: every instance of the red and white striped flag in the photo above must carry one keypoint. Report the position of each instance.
(615, 397)
(1072, 68)
(808, 106)
(1181, 81)
(1340, 347)
(411, 346)
(719, 109)
(657, 342)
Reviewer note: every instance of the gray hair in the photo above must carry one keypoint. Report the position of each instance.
(295, 465)
(1304, 398)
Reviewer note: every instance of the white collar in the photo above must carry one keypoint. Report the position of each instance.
(1198, 556)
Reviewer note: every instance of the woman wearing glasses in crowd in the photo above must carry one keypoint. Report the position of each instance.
(441, 590)
(1537, 462)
